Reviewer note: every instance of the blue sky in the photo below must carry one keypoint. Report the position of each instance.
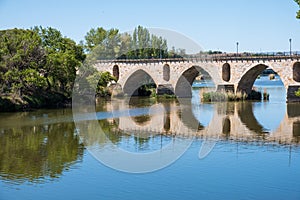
(258, 25)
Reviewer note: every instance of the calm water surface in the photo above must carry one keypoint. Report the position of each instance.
(43, 155)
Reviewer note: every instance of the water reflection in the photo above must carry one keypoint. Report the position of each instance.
(293, 111)
(237, 121)
(36, 153)
(41, 145)
(246, 115)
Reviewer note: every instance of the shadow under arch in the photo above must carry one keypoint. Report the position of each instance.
(183, 85)
(135, 81)
(246, 115)
(246, 82)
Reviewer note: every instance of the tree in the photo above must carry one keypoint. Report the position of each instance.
(125, 44)
(64, 57)
(102, 44)
(38, 65)
(297, 93)
(21, 61)
(94, 37)
(298, 13)
(99, 81)
(110, 44)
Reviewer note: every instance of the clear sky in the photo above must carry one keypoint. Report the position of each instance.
(258, 25)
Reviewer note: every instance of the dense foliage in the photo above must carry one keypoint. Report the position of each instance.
(298, 13)
(297, 93)
(37, 67)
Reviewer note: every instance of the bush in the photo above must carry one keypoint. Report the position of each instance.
(230, 96)
(214, 96)
(297, 93)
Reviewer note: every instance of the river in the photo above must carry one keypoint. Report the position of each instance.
(191, 150)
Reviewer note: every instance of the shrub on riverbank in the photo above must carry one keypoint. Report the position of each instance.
(297, 93)
(229, 96)
(30, 101)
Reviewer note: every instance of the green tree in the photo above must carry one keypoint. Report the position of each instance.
(64, 58)
(94, 37)
(125, 45)
(99, 81)
(110, 44)
(298, 13)
(297, 93)
(21, 62)
(102, 44)
(37, 65)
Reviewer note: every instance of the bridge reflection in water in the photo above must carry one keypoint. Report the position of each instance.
(41, 145)
(224, 121)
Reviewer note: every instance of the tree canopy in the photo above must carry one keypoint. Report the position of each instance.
(111, 44)
(38, 65)
(298, 13)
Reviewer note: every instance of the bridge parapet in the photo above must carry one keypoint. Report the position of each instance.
(211, 58)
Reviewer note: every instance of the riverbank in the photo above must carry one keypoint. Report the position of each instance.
(11, 103)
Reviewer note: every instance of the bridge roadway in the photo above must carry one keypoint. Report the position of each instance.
(228, 72)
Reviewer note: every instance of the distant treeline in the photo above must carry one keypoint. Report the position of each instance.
(141, 44)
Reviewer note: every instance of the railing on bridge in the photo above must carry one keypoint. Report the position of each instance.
(240, 57)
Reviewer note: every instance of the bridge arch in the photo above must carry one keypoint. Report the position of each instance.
(248, 78)
(135, 80)
(186, 79)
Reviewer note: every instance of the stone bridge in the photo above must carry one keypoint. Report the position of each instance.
(176, 76)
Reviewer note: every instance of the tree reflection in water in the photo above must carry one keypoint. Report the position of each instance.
(35, 150)
(38, 153)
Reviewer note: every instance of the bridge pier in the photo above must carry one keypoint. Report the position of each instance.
(165, 89)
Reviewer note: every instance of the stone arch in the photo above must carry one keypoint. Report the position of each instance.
(246, 82)
(166, 72)
(185, 81)
(137, 79)
(226, 72)
(116, 72)
(296, 71)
